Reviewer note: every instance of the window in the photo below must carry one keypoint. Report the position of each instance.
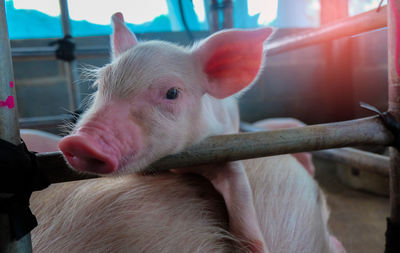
(28, 19)
(287, 14)
(41, 18)
(360, 6)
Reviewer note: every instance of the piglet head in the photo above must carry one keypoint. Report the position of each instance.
(155, 98)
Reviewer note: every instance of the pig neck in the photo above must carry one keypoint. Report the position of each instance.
(220, 115)
(230, 178)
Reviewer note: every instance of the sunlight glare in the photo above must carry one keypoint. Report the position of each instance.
(199, 9)
(51, 8)
(268, 10)
(99, 12)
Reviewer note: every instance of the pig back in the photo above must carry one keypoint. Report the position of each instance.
(180, 213)
(156, 213)
(290, 206)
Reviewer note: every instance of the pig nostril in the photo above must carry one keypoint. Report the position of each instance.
(96, 162)
(90, 163)
(68, 154)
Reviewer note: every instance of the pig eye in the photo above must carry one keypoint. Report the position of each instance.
(172, 93)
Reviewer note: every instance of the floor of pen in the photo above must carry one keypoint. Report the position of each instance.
(358, 219)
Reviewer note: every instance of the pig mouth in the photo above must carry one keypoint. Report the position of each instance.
(87, 163)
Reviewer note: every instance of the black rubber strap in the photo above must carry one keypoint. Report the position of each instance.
(392, 237)
(65, 48)
(389, 121)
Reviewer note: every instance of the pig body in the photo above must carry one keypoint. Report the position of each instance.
(181, 213)
(154, 99)
(305, 158)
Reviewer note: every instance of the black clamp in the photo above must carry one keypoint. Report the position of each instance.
(20, 177)
(65, 48)
(389, 121)
(392, 237)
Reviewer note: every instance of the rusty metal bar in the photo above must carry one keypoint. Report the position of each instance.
(394, 103)
(9, 130)
(365, 22)
(242, 146)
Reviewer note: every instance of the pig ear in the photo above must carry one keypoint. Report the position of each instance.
(122, 38)
(231, 59)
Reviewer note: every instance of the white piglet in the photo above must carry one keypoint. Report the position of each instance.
(155, 99)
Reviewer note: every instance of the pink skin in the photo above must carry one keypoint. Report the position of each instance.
(305, 158)
(337, 245)
(231, 182)
(132, 122)
(99, 145)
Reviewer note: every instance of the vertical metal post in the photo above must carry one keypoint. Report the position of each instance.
(9, 129)
(394, 102)
(213, 15)
(69, 67)
(228, 14)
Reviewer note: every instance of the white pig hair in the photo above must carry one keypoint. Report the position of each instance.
(180, 213)
(129, 72)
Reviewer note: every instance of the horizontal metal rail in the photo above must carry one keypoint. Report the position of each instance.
(362, 160)
(48, 53)
(365, 22)
(356, 158)
(224, 148)
(45, 122)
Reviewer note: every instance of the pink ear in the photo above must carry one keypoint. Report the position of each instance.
(122, 38)
(231, 59)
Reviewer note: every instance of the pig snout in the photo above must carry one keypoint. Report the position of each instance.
(88, 156)
(104, 142)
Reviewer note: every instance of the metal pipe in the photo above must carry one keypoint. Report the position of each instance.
(65, 17)
(365, 22)
(216, 149)
(394, 103)
(213, 15)
(45, 121)
(69, 67)
(8, 130)
(48, 53)
(359, 159)
(227, 22)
